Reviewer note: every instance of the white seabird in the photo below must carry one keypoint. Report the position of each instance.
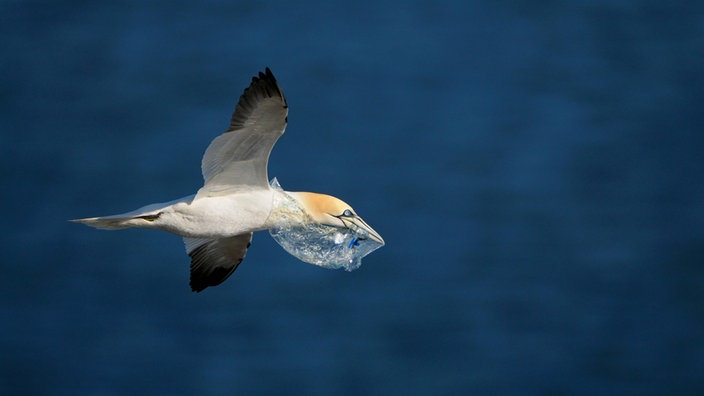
(236, 199)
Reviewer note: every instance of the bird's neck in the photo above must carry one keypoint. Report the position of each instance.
(287, 210)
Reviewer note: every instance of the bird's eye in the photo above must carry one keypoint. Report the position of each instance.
(347, 213)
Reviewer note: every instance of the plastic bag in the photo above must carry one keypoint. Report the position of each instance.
(324, 246)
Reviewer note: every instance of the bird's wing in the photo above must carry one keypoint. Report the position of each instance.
(214, 260)
(238, 157)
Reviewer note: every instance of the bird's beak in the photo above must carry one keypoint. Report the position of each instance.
(356, 224)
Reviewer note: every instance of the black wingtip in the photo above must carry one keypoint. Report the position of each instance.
(205, 273)
(214, 261)
(200, 282)
(263, 86)
(266, 76)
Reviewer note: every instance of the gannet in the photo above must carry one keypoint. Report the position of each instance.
(236, 199)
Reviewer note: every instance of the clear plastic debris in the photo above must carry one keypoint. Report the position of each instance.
(325, 246)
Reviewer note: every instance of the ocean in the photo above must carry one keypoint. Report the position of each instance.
(534, 167)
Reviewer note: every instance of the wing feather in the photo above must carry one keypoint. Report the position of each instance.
(239, 156)
(213, 261)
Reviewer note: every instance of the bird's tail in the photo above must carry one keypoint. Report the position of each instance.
(144, 217)
(118, 222)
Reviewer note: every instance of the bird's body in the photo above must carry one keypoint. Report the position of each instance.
(205, 217)
(236, 199)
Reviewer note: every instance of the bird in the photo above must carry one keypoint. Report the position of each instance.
(237, 199)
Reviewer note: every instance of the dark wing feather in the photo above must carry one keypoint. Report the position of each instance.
(214, 261)
(263, 87)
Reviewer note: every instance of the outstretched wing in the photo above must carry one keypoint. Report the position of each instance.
(239, 157)
(213, 261)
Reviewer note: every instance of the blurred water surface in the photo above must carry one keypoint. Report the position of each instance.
(535, 168)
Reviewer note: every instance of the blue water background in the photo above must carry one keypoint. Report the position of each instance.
(536, 169)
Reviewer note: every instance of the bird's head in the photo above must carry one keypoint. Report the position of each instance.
(334, 212)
